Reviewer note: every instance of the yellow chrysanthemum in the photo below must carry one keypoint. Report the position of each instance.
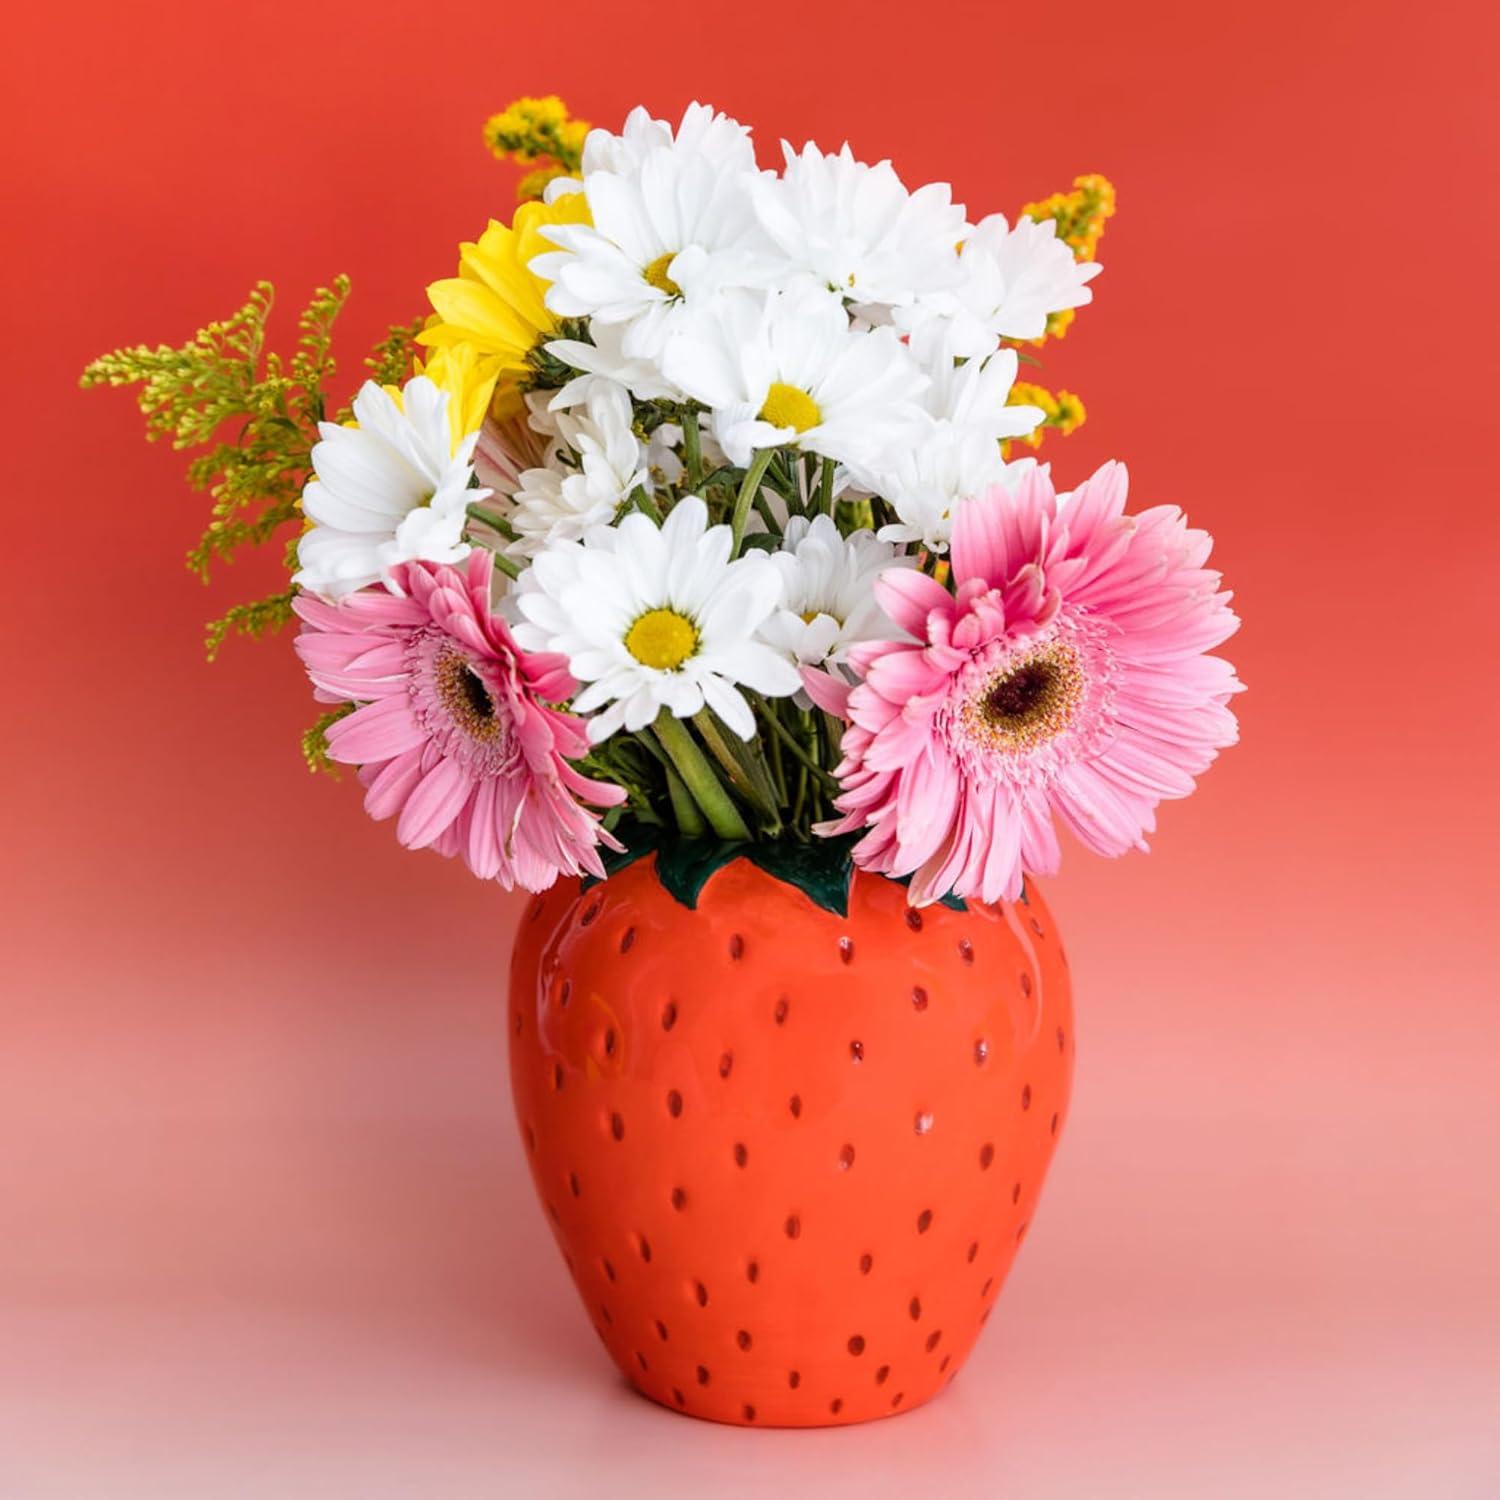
(469, 380)
(495, 303)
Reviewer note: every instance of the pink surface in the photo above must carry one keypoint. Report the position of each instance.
(264, 1223)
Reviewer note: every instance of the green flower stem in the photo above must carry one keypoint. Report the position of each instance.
(748, 491)
(645, 504)
(689, 820)
(825, 489)
(787, 738)
(744, 765)
(698, 777)
(501, 561)
(692, 450)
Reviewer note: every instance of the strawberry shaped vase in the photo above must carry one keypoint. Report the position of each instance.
(789, 1154)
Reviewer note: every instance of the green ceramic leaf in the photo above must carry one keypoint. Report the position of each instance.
(821, 870)
(684, 865)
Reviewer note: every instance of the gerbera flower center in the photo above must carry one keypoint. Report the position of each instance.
(786, 406)
(656, 275)
(663, 639)
(467, 699)
(1029, 701)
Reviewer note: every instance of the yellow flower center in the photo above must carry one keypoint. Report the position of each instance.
(656, 275)
(786, 406)
(663, 639)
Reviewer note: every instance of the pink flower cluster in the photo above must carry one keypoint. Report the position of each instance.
(1065, 680)
(455, 734)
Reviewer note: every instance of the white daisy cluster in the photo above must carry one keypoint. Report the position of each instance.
(756, 391)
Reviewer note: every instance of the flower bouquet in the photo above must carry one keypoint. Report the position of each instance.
(690, 564)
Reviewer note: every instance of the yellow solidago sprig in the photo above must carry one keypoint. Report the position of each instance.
(1080, 217)
(537, 133)
(496, 303)
(1063, 412)
(223, 382)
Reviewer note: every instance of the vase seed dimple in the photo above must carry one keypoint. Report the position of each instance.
(726, 1064)
(984, 1291)
(981, 1052)
(846, 1158)
(914, 1307)
(783, 1005)
(923, 1122)
(866, 1262)
(946, 1360)
(627, 940)
(743, 1339)
(609, 1269)
(1015, 1193)
(913, 919)
(701, 1293)
(1052, 1127)
(752, 1272)
(702, 1375)
(674, 1103)
(617, 1125)
(793, 1227)
(924, 1221)
(882, 1374)
(846, 949)
(857, 1344)
(933, 1338)
(794, 1378)
(589, 914)
(918, 997)
(795, 1105)
(749, 1412)
(857, 1052)
(736, 946)
(640, 1359)
(966, 950)
(1026, 984)
(741, 1154)
(669, 1015)
(1026, 1096)
(679, 1199)
(574, 1186)
(565, 993)
(986, 1156)
(661, 1330)
(678, 1397)
(836, 1405)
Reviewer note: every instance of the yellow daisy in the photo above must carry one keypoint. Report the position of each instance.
(495, 303)
(468, 378)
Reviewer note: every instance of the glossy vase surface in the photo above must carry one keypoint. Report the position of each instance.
(789, 1155)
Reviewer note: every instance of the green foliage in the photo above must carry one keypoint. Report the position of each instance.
(390, 362)
(255, 417)
(257, 618)
(315, 740)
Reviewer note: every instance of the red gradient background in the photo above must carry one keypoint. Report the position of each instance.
(264, 1228)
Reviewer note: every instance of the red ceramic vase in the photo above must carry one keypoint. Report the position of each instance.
(789, 1155)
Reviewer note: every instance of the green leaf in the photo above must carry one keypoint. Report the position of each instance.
(684, 865)
(822, 870)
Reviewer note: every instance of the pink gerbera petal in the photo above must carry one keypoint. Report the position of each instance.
(455, 733)
(1063, 681)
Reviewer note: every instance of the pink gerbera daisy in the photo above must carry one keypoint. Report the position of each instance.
(455, 731)
(1065, 679)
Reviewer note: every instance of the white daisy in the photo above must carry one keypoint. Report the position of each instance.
(392, 489)
(857, 231)
(828, 599)
(656, 618)
(679, 226)
(703, 131)
(952, 449)
(593, 465)
(787, 368)
(606, 356)
(1012, 278)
